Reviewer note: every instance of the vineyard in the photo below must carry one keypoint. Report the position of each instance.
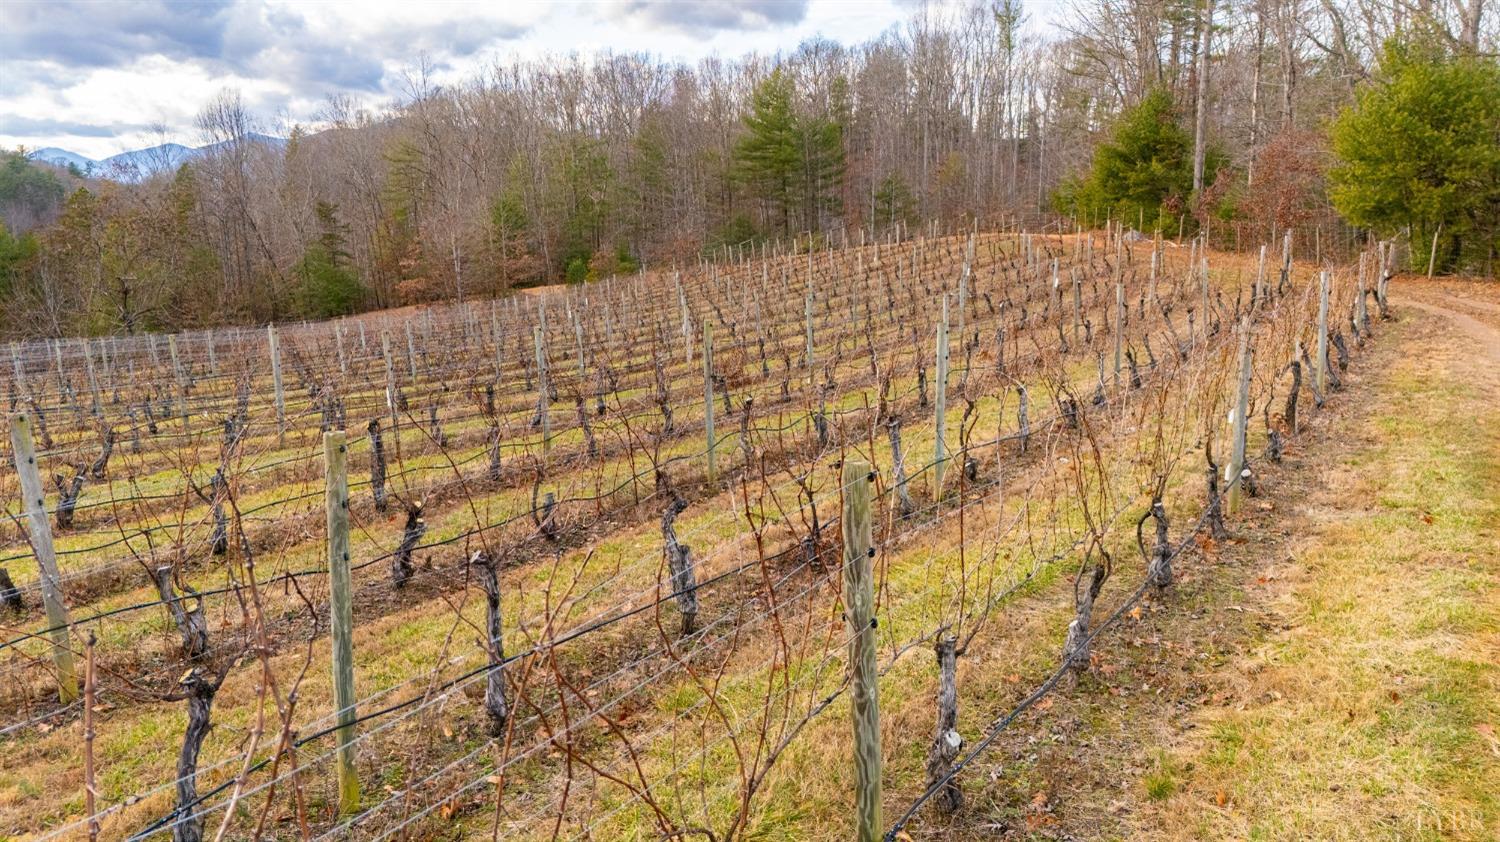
(684, 554)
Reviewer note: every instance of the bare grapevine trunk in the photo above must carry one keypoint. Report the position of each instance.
(946, 742)
(680, 566)
(495, 704)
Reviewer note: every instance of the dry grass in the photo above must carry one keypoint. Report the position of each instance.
(1333, 672)
(1373, 715)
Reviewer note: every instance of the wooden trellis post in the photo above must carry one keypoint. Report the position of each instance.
(859, 611)
(1077, 303)
(1241, 411)
(1320, 365)
(62, 380)
(411, 351)
(1256, 292)
(276, 382)
(1203, 286)
(496, 335)
(963, 289)
(578, 340)
(940, 404)
(708, 392)
(1119, 328)
(544, 400)
(808, 318)
(15, 361)
(88, 359)
(390, 384)
(46, 558)
(177, 373)
(341, 619)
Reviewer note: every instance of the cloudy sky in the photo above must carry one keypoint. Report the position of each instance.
(95, 76)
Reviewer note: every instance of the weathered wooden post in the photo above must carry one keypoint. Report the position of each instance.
(411, 351)
(808, 318)
(15, 361)
(1241, 413)
(88, 358)
(1386, 252)
(1203, 273)
(940, 411)
(1286, 261)
(276, 383)
(496, 336)
(1077, 304)
(578, 341)
(1320, 365)
(1432, 255)
(46, 558)
(62, 379)
(543, 388)
(1119, 328)
(859, 611)
(963, 289)
(708, 392)
(1257, 291)
(390, 388)
(177, 373)
(341, 615)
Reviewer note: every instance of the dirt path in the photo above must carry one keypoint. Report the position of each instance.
(1333, 672)
(1485, 334)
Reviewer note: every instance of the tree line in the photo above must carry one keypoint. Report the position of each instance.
(1170, 115)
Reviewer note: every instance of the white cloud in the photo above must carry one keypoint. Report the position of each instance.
(88, 76)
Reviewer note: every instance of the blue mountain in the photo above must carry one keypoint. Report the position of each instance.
(62, 158)
(141, 164)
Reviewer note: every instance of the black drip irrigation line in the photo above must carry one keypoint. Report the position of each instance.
(571, 635)
(465, 534)
(800, 418)
(998, 726)
(618, 617)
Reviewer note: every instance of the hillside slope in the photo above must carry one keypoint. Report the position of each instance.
(1331, 672)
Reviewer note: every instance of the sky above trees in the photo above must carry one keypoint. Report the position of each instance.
(99, 78)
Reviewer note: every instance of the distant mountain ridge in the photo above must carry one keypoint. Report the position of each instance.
(139, 164)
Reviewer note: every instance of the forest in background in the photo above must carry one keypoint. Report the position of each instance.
(1336, 118)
